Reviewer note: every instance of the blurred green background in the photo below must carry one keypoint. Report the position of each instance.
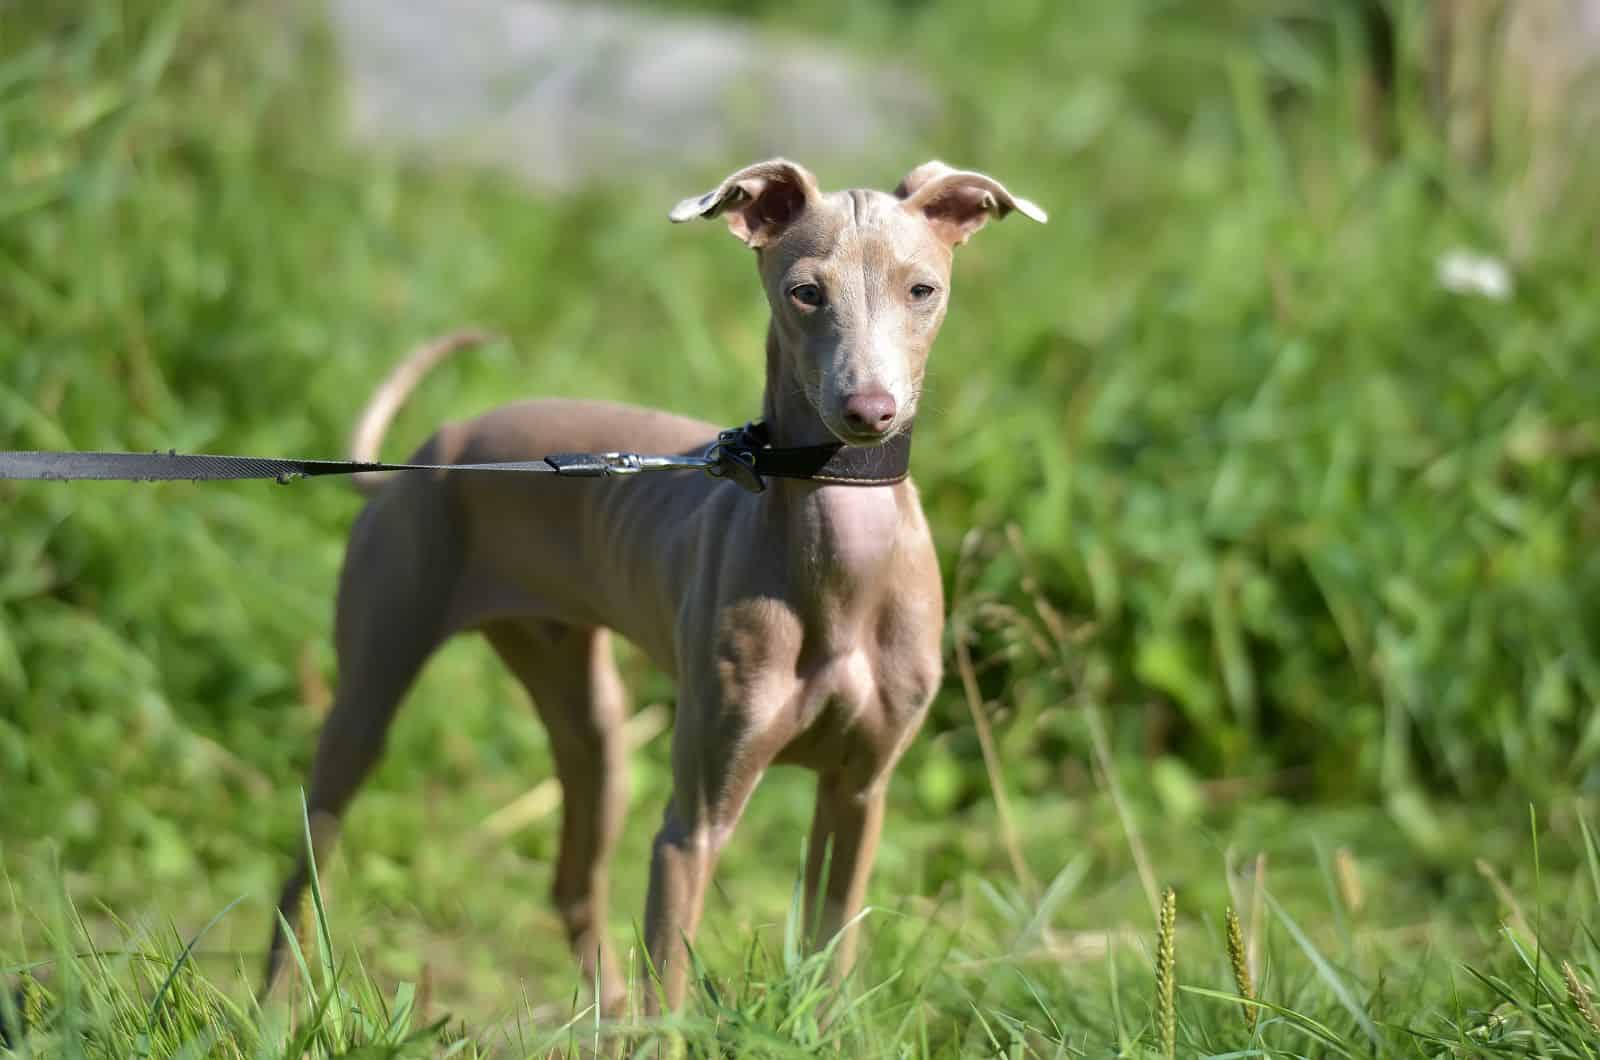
(1319, 530)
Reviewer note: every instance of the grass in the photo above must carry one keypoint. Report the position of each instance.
(1259, 542)
(976, 970)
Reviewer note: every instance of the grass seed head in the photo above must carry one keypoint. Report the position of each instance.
(36, 1004)
(1166, 972)
(1241, 967)
(1578, 994)
(1349, 877)
(305, 925)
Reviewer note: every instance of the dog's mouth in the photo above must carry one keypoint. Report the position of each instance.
(866, 439)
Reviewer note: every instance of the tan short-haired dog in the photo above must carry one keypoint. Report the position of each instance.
(802, 623)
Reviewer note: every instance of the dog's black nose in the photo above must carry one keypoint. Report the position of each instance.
(870, 411)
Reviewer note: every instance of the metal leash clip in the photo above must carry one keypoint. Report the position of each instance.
(633, 463)
(732, 458)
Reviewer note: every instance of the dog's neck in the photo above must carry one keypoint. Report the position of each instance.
(852, 528)
(791, 420)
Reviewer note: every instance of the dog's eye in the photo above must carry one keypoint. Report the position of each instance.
(807, 294)
(921, 292)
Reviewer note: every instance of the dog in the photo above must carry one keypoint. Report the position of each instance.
(801, 623)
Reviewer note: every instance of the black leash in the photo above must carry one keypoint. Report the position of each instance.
(742, 454)
(169, 466)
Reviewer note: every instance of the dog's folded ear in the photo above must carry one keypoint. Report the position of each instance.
(759, 201)
(958, 202)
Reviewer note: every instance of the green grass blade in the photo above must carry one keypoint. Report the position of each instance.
(1320, 1031)
(1326, 971)
(183, 958)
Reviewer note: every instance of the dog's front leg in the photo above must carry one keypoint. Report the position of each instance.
(681, 863)
(716, 764)
(849, 813)
(844, 842)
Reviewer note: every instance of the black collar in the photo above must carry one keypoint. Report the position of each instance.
(746, 454)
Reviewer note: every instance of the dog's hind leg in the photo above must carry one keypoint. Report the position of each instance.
(571, 675)
(394, 595)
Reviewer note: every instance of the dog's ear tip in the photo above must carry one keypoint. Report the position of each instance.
(1031, 210)
(687, 210)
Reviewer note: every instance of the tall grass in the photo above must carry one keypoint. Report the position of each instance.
(918, 997)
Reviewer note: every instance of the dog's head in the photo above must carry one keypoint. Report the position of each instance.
(858, 280)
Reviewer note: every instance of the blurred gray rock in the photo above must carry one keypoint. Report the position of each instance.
(561, 93)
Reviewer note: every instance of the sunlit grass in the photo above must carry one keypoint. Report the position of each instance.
(997, 980)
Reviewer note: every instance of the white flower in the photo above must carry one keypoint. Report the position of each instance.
(1464, 272)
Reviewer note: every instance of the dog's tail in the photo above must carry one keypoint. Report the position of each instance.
(366, 443)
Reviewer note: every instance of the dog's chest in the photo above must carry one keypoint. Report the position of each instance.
(850, 712)
(870, 659)
(833, 663)
(849, 542)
